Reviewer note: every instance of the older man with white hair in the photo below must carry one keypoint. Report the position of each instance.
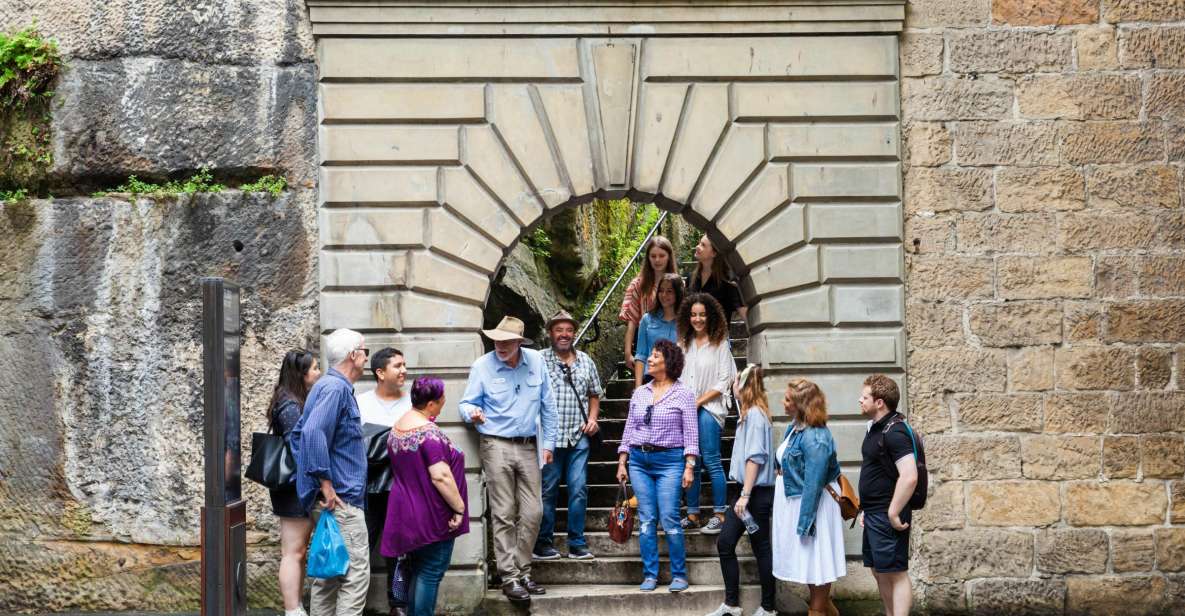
(331, 469)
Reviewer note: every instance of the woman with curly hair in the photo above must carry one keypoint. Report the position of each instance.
(703, 336)
(641, 293)
(658, 449)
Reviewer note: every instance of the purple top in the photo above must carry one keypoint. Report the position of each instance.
(674, 422)
(417, 514)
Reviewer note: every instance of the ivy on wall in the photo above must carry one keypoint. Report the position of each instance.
(29, 65)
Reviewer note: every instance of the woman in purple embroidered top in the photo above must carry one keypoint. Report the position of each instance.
(428, 506)
(659, 446)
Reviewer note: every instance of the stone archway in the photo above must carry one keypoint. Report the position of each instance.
(447, 132)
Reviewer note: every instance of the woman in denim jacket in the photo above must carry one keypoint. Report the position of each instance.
(807, 525)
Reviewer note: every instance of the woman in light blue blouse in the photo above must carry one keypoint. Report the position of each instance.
(658, 324)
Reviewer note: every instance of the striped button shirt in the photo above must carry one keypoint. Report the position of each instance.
(327, 443)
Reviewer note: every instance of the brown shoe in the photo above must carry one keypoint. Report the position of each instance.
(515, 591)
(532, 587)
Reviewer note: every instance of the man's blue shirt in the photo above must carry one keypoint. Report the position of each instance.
(327, 443)
(513, 399)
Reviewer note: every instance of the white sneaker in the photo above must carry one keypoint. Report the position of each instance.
(724, 610)
(296, 612)
(761, 612)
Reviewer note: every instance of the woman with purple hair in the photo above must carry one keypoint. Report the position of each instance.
(428, 506)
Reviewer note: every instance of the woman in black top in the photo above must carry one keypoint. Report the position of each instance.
(710, 276)
(298, 372)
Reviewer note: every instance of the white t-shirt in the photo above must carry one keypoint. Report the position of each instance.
(383, 413)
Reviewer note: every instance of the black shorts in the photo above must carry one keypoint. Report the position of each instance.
(285, 504)
(885, 550)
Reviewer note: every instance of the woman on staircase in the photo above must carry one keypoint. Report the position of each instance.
(658, 449)
(658, 323)
(753, 468)
(711, 277)
(703, 336)
(808, 527)
(640, 294)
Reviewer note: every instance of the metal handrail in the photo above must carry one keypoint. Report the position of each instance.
(597, 311)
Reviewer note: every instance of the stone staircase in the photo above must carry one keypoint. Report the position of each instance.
(608, 584)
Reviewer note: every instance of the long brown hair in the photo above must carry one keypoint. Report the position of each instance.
(810, 405)
(719, 271)
(291, 384)
(717, 324)
(676, 283)
(753, 394)
(649, 281)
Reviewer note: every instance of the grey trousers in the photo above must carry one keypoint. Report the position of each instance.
(514, 486)
(345, 595)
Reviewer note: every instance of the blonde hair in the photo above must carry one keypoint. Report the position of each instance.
(753, 394)
(810, 405)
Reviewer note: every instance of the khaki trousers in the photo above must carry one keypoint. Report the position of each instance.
(345, 595)
(514, 485)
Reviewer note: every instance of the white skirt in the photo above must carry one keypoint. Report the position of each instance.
(808, 560)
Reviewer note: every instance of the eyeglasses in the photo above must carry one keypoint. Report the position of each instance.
(365, 351)
(649, 412)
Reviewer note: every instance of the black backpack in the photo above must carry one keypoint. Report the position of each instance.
(918, 499)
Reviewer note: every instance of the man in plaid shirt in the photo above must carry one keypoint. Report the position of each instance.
(577, 389)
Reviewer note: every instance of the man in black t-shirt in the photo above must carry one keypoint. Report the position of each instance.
(888, 476)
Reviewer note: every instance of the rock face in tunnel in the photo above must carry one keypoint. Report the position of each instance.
(101, 411)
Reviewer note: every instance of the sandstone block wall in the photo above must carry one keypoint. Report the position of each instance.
(1045, 241)
(100, 399)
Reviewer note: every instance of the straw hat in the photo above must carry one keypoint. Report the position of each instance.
(510, 328)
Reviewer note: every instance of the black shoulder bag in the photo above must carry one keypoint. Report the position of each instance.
(272, 463)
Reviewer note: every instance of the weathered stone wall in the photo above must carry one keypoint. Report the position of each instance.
(1046, 301)
(100, 400)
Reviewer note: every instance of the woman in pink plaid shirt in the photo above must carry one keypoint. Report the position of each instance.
(641, 293)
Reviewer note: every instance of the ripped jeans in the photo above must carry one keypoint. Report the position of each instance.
(657, 480)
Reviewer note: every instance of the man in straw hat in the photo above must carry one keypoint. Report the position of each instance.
(578, 392)
(509, 400)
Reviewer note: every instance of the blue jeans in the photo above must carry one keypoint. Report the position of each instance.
(709, 458)
(570, 464)
(427, 566)
(657, 478)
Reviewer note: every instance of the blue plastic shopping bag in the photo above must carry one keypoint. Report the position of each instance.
(328, 557)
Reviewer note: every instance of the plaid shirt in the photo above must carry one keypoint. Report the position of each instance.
(570, 409)
(674, 420)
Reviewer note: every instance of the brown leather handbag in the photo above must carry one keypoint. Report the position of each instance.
(849, 502)
(621, 519)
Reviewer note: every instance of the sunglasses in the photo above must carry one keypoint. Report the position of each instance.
(365, 351)
(649, 412)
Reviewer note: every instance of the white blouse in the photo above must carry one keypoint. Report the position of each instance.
(710, 366)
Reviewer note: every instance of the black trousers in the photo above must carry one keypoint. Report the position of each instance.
(376, 518)
(761, 507)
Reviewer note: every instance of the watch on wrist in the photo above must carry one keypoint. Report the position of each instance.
(744, 495)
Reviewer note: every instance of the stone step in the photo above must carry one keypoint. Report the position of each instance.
(600, 544)
(628, 570)
(605, 495)
(617, 600)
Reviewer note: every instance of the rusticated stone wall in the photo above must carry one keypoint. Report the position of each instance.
(1046, 301)
(100, 353)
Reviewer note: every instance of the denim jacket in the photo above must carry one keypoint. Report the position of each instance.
(808, 463)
